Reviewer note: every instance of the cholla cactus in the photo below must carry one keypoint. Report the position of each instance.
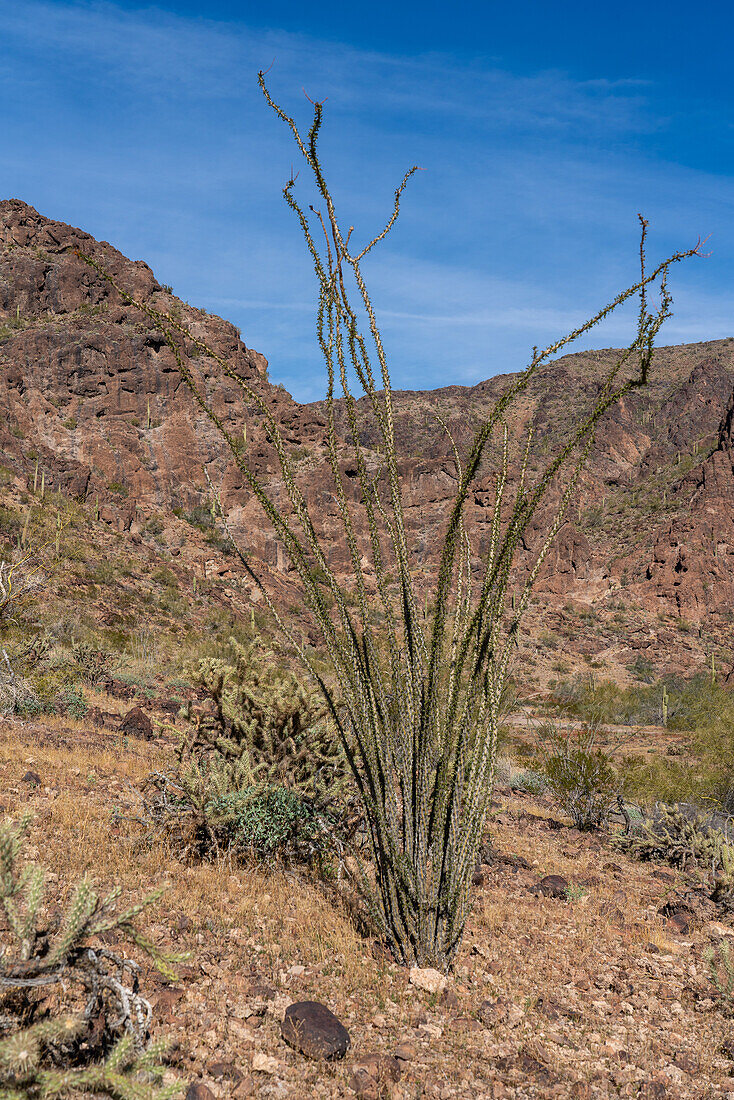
(272, 724)
(721, 970)
(677, 839)
(94, 664)
(45, 1050)
(689, 843)
(263, 773)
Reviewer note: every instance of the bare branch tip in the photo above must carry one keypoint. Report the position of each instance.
(315, 102)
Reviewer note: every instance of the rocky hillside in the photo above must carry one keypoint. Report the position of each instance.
(93, 406)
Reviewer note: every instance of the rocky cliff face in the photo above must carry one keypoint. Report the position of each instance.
(92, 401)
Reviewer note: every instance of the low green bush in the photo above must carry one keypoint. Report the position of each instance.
(530, 781)
(200, 516)
(579, 774)
(691, 704)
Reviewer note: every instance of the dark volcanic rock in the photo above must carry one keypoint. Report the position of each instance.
(136, 723)
(314, 1030)
(553, 886)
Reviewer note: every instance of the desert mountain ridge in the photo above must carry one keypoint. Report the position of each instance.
(92, 402)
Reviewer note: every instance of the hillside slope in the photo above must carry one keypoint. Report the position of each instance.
(94, 406)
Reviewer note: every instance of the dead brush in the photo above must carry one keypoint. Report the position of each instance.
(72, 1018)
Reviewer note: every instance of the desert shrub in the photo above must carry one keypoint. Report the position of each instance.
(643, 669)
(579, 774)
(219, 541)
(200, 516)
(154, 525)
(691, 704)
(71, 701)
(72, 1019)
(93, 664)
(700, 706)
(658, 778)
(165, 576)
(530, 781)
(28, 705)
(35, 691)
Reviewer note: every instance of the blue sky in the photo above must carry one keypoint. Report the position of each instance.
(542, 128)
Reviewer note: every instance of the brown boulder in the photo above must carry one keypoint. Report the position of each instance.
(136, 723)
(315, 1031)
(552, 886)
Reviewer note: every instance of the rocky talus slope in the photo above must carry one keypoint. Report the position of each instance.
(92, 402)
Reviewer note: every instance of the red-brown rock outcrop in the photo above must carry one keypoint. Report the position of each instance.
(93, 403)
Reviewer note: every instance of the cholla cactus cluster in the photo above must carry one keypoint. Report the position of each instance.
(721, 970)
(93, 664)
(71, 1018)
(273, 725)
(684, 840)
(263, 772)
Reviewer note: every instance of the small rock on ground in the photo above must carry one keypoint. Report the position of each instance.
(314, 1030)
(428, 979)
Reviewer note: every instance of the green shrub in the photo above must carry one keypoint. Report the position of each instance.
(29, 706)
(579, 774)
(155, 526)
(200, 516)
(272, 820)
(691, 704)
(166, 577)
(72, 702)
(530, 781)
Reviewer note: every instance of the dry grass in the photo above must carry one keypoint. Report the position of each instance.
(584, 978)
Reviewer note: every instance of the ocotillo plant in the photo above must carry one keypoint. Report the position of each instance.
(416, 700)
